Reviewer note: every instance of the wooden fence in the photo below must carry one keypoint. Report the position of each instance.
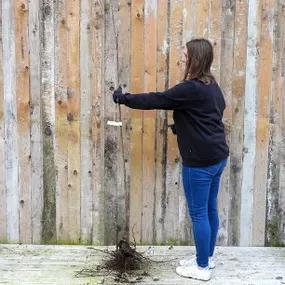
(68, 177)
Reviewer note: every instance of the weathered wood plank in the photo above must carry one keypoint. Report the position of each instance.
(67, 123)
(3, 217)
(137, 85)
(48, 120)
(36, 128)
(23, 119)
(113, 176)
(98, 31)
(281, 198)
(246, 211)
(148, 140)
(124, 65)
(264, 74)
(273, 227)
(189, 19)
(202, 16)
(86, 193)
(161, 122)
(215, 34)
(61, 123)
(185, 232)
(58, 265)
(73, 117)
(10, 121)
(276, 193)
(236, 150)
(226, 63)
(173, 165)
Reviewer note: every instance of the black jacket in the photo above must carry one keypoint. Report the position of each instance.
(198, 111)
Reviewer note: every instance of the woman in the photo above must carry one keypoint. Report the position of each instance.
(198, 105)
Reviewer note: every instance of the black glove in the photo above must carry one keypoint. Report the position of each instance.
(173, 128)
(118, 96)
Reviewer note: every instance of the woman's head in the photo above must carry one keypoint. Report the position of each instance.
(199, 58)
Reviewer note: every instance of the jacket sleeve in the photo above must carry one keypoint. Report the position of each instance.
(175, 98)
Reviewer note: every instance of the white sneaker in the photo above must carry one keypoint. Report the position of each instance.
(189, 261)
(194, 271)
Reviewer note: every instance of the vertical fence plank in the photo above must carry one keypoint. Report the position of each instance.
(3, 217)
(215, 33)
(73, 117)
(48, 120)
(161, 122)
(246, 211)
(10, 121)
(189, 19)
(61, 123)
(86, 120)
(113, 177)
(262, 122)
(226, 62)
(36, 128)
(173, 170)
(150, 59)
(236, 150)
(23, 116)
(281, 198)
(137, 85)
(202, 16)
(67, 122)
(98, 31)
(124, 52)
(185, 232)
(273, 228)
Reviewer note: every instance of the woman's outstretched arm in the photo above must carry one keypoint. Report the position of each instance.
(175, 98)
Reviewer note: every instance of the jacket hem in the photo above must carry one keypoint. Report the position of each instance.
(198, 163)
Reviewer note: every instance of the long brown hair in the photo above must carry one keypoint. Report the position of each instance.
(199, 60)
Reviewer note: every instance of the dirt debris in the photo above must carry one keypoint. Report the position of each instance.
(124, 264)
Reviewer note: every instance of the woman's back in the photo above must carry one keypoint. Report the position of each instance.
(200, 130)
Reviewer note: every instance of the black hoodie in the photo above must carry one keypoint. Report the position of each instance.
(198, 112)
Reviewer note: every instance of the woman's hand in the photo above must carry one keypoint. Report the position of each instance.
(118, 96)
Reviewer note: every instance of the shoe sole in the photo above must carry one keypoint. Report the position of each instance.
(192, 277)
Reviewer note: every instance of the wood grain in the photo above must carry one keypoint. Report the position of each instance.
(173, 166)
(161, 122)
(86, 193)
(67, 177)
(246, 211)
(137, 85)
(10, 121)
(148, 140)
(226, 63)
(124, 69)
(73, 117)
(274, 235)
(3, 216)
(262, 122)
(47, 94)
(98, 31)
(265, 266)
(237, 127)
(61, 123)
(23, 119)
(36, 126)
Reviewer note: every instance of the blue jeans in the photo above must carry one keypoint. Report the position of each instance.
(201, 186)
